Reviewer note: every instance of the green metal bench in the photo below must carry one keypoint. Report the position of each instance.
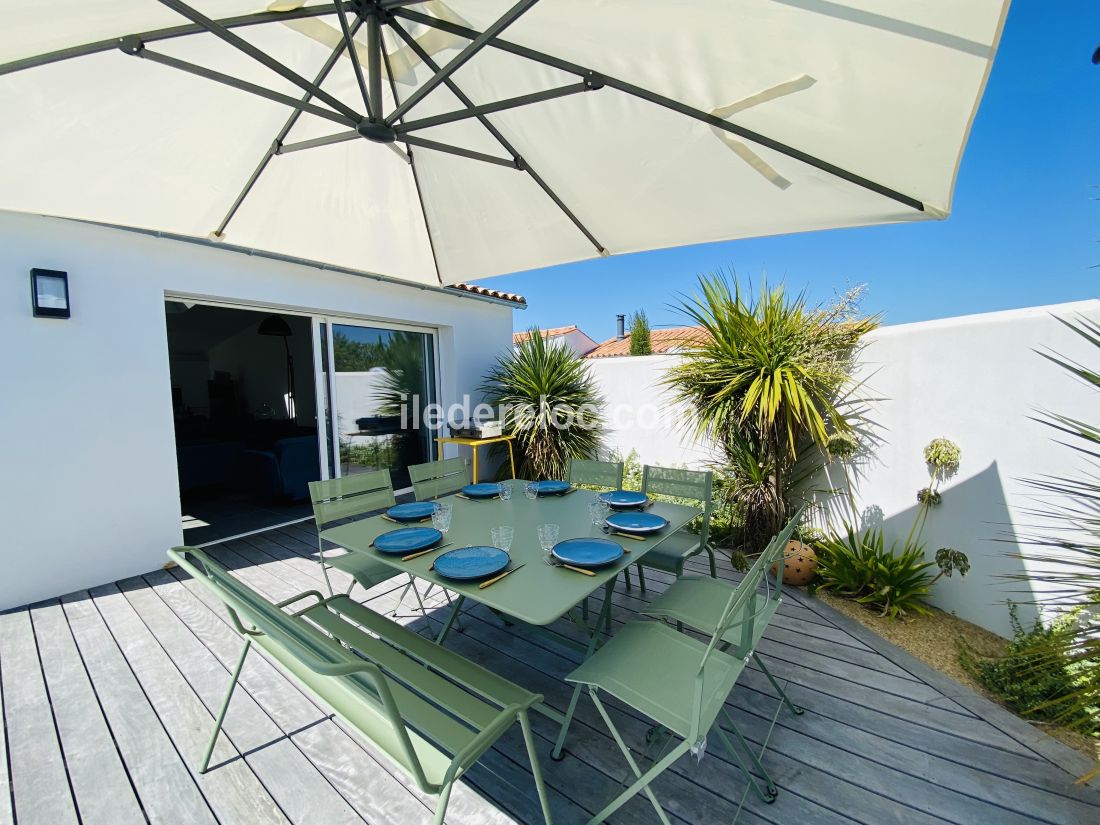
(431, 711)
(682, 683)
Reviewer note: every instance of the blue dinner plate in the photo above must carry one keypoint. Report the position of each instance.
(468, 563)
(412, 511)
(552, 487)
(482, 490)
(633, 521)
(623, 499)
(587, 552)
(407, 540)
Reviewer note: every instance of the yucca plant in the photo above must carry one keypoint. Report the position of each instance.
(551, 404)
(766, 376)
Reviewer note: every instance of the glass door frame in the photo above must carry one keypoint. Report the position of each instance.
(323, 365)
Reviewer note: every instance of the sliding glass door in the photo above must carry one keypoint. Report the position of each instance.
(379, 382)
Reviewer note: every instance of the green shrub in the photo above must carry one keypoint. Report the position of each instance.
(1036, 676)
(860, 566)
(640, 340)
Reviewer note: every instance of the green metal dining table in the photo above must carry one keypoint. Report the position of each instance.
(537, 594)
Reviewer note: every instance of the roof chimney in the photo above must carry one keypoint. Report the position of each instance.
(620, 327)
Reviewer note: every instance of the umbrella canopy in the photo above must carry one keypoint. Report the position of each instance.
(469, 138)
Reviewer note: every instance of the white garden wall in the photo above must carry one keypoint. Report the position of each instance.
(88, 485)
(974, 379)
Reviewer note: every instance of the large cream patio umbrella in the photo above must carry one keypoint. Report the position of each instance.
(469, 138)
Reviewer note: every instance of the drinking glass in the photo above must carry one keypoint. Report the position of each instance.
(441, 516)
(548, 536)
(531, 490)
(504, 490)
(502, 537)
(598, 511)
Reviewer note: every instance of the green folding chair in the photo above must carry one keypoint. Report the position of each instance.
(438, 478)
(682, 683)
(593, 473)
(672, 553)
(348, 497)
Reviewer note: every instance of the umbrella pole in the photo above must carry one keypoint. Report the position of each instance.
(374, 63)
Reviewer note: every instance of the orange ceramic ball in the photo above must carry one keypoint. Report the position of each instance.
(799, 564)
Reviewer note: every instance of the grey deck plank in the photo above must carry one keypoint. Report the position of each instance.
(39, 781)
(234, 792)
(881, 742)
(165, 786)
(895, 765)
(104, 794)
(296, 785)
(7, 809)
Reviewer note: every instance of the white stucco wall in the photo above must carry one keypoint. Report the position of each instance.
(640, 415)
(976, 380)
(88, 485)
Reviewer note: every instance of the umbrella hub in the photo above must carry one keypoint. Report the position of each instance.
(377, 131)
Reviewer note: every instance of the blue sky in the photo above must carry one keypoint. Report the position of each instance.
(1024, 229)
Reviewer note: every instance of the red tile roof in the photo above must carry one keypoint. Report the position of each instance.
(490, 293)
(553, 332)
(662, 340)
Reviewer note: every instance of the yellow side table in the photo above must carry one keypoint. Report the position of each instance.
(474, 443)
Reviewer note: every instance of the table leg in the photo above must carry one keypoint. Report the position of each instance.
(440, 450)
(443, 631)
(474, 451)
(605, 612)
(511, 458)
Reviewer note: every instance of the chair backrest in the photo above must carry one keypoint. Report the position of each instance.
(745, 605)
(691, 484)
(438, 478)
(351, 495)
(596, 473)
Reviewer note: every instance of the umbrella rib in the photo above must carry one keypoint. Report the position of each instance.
(435, 145)
(488, 108)
(261, 57)
(478, 42)
(412, 167)
(507, 146)
(353, 53)
(666, 102)
(138, 50)
(164, 34)
(277, 143)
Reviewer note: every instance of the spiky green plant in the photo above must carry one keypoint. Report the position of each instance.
(766, 375)
(551, 404)
(1063, 545)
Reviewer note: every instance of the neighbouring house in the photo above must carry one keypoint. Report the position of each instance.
(573, 337)
(669, 339)
(197, 388)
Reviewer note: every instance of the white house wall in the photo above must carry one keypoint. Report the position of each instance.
(976, 380)
(88, 484)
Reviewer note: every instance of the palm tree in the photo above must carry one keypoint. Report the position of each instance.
(765, 378)
(551, 404)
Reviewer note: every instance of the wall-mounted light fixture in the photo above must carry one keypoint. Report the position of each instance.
(50, 293)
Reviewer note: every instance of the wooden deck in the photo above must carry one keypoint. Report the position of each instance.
(108, 695)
